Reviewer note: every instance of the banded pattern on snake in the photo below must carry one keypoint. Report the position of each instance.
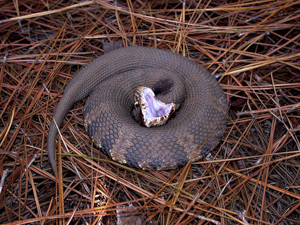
(110, 81)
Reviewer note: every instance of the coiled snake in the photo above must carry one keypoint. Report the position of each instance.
(110, 80)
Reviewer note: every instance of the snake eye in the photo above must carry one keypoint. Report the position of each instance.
(163, 86)
(153, 112)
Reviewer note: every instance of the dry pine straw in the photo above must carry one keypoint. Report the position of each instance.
(252, 177)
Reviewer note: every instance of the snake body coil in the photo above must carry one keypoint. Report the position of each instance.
(111, 79)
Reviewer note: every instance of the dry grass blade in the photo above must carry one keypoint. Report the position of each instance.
(252, 177)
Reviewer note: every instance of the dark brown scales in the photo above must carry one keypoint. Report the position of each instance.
(116, 74)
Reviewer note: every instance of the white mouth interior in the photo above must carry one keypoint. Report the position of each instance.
(154, 112)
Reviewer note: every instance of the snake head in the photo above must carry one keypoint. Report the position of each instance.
(153, 112)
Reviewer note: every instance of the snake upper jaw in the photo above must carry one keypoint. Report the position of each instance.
(153, 111)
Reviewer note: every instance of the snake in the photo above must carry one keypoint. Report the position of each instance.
(109, 82)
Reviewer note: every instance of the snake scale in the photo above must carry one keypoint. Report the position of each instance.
(110, 80)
